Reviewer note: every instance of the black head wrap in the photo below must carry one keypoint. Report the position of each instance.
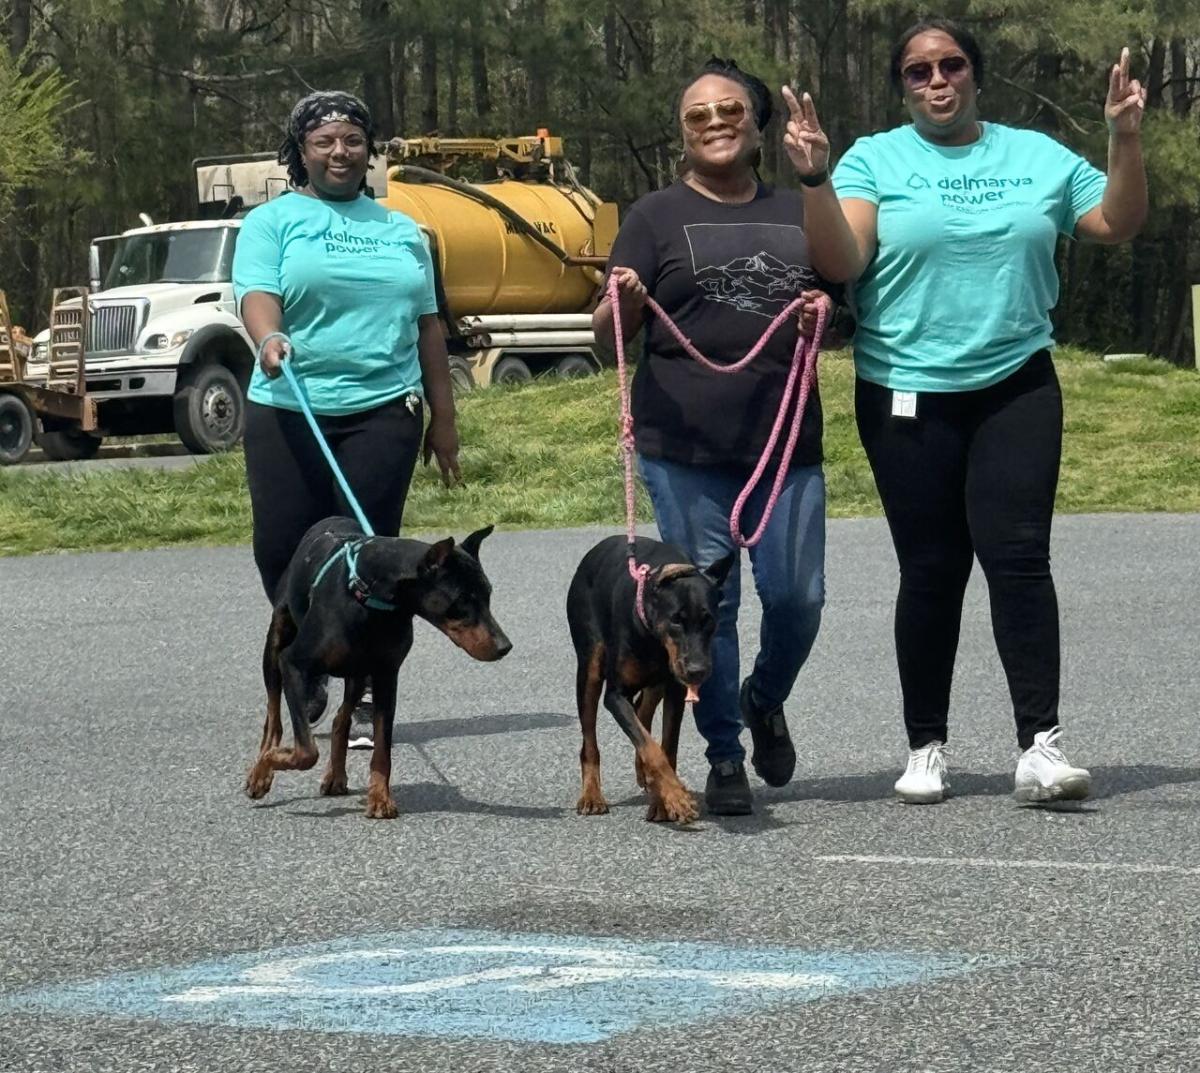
(314, 111)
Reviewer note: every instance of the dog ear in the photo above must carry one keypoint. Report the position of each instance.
(471, 544)
(671, 571)
(719, 571)
(437, 554)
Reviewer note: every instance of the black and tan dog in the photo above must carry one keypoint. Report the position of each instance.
(345, 608)
(639, 663)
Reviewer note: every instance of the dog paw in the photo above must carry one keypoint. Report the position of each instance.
(591, 805)
(334, 785)
(258, 782)
(674, 805)
(381, 808)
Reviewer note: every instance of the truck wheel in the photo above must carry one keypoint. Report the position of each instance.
(210, 409)
(16, 429)
(69, 444)
(461, 378)
(574, 366)
(511, 370)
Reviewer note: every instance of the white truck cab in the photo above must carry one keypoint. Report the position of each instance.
(165, 351)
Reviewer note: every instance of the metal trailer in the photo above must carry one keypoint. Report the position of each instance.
(57, 408)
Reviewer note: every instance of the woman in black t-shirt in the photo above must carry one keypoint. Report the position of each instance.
(723, 254)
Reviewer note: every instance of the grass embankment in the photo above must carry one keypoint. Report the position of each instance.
(545, 455)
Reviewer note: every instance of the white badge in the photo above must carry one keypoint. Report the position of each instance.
(904, 404)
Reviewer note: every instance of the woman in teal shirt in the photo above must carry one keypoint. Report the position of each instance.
(947, 227)
(344, 289)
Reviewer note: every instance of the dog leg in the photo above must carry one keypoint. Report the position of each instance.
(669, 798)
(673, 706)
(281, 632)
(380, 805)
(588, 685)
(296, 689)
(334, 782)
(647, 702)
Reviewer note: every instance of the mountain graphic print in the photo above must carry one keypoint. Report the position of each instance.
(750, 266)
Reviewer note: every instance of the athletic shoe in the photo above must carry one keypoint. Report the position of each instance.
(924, 781)
(1043, 773)
(774, 756)
(727, 792)
(362, 723)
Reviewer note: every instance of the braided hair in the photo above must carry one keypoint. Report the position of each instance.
(315, 110)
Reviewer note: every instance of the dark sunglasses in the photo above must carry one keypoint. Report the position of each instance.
(919, 75)
(729, 109)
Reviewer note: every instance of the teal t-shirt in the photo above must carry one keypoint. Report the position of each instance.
(960, 290)
(353, 277)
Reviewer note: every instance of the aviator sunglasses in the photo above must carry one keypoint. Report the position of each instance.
(728, 109)
(919, 75)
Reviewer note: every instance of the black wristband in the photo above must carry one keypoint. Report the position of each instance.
(816, 180)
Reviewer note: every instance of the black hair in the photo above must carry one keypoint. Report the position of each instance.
(961, 35)
(314, 111)
(756, 89)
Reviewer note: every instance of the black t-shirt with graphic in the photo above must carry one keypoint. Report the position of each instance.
(722, 273)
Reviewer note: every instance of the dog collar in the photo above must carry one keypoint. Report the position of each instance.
(359, 589)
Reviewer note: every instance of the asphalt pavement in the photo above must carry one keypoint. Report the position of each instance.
(153, 918)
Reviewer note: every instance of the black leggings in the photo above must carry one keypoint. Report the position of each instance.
(973, 474)
(292, 487)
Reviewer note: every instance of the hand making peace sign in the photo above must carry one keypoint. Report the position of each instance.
(806, 143)
(1126, 102)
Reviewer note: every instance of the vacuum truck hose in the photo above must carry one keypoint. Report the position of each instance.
(519, 223)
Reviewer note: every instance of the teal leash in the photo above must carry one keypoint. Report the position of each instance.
(348, 552)
(297, 387)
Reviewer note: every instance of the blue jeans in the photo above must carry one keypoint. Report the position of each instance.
(692, 505)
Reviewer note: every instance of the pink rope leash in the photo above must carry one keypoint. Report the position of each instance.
(803, 369)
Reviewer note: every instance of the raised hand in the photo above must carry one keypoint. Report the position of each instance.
(1126, 102)
(806, 143)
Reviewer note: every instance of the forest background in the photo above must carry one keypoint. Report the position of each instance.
(105, 103)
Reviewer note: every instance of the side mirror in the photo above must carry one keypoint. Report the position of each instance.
(94, 266)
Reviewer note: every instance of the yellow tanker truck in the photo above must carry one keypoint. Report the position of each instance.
(519, 255)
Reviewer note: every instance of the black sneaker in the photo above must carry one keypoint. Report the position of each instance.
(727, 792)
(362, 723)
(774, 756)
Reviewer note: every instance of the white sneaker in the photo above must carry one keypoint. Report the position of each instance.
(362, 723)
(1043, 773)
(924, 781)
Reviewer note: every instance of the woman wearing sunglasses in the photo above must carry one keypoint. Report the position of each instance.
(948, 227)
(723, 254)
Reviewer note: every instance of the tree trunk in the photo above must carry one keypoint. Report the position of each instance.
(479, 71)
(429, 83)
(537, 57)
(1154, 73)
(452, 96)
(377, 70)
(1181, 101)
(400, 85)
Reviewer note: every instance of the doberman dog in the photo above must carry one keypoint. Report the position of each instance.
(345, 608)
(638, 663)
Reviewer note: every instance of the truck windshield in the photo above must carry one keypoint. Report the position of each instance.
(194, 255)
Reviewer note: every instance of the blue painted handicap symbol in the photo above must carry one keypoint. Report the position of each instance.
(532, 988)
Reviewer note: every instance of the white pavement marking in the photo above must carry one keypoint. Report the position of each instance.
(996, 862)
